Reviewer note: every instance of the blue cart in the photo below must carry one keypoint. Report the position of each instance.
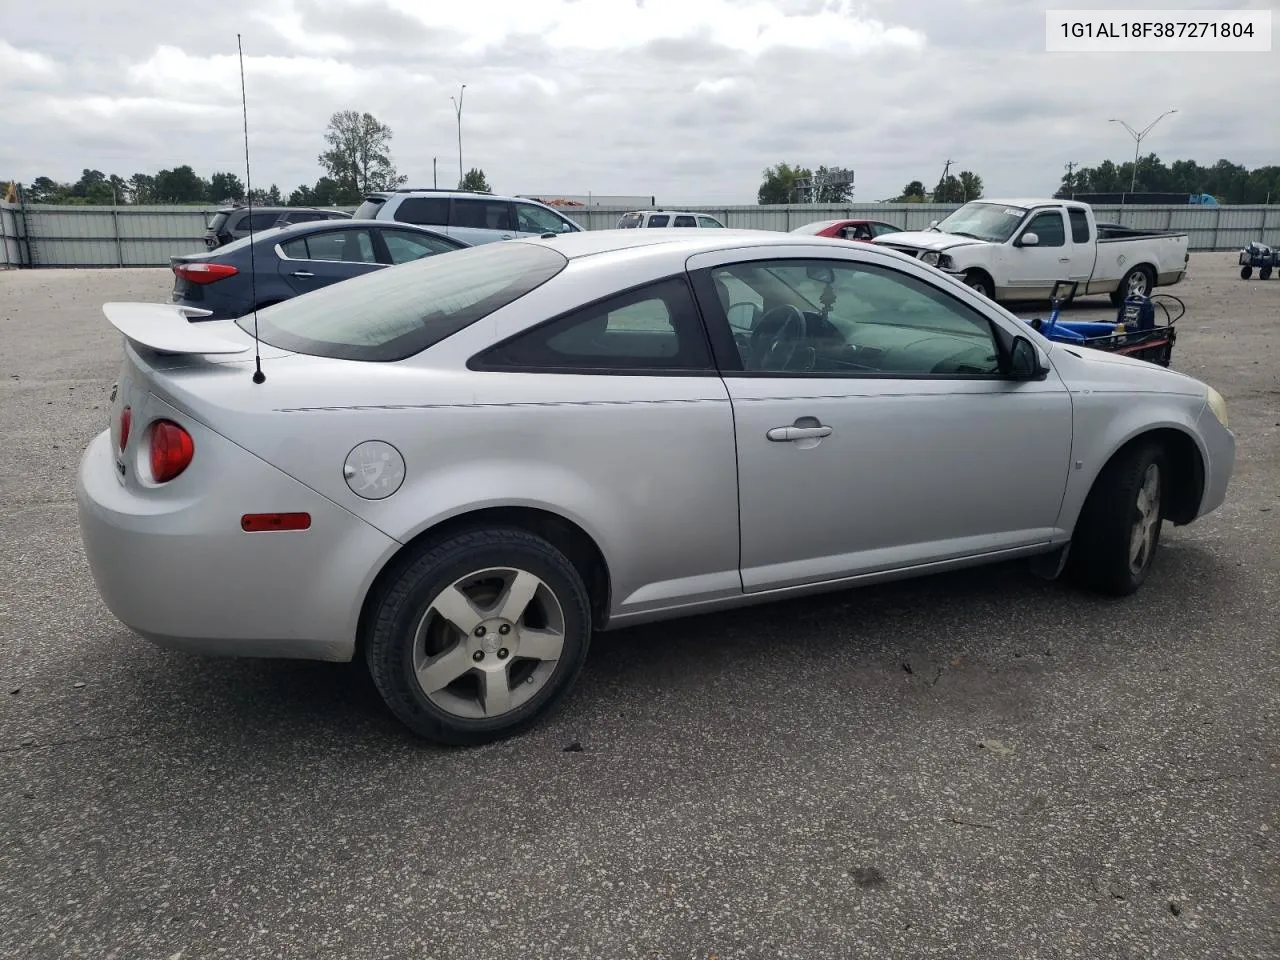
(1134, 332)
(1260, 257)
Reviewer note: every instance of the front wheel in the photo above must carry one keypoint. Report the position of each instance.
(1264, 273)
(479, 636)
(981, 283)
(1118, 531)
(1246, 272)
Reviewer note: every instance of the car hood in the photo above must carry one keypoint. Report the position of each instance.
(1087, 368)
(926, 240)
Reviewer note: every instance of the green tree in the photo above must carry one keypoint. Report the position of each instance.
(971, 184)
(913, 192)
(779, 185)
(180, 185)
(474, 180)
(45, 190)
(267, 198)
(827, 192)
(142, 188)
(224, 187)
(358, 157)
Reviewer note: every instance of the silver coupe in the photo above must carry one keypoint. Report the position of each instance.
(460, 468)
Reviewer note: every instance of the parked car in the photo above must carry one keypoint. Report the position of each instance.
(1018, 249)
(861, 230)
(233, 223)
(460, 468)
(667, 218)
(282, 262)
(473, 217)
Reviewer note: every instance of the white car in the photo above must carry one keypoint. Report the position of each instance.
(461, 467)
(1018, 249)
(667, 218)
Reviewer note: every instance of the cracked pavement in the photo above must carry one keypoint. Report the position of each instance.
(974, 764)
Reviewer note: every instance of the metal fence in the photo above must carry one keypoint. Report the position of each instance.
(81, 236)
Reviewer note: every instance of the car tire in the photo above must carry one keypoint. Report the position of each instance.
(505, 672)
(1246, 272)
(1264, 273)
(1129, 281)
(981, 283)
(1118, 533)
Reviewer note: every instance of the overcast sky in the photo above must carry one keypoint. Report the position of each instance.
(687, 100)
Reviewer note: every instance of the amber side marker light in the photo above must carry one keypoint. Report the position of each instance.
(266, 522)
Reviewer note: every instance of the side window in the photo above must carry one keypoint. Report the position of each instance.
(404, 246)
(1079, 226)
(427, 211)
(531, 219)
(685, 222)
(880, 229)
(259, 221)
(655, 327)
(351, 246)
(296, 249)
(709, 222)
(659, 220)
(839, 318)
(1048, 227)
(481, 214)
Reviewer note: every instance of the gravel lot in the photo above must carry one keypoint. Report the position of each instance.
(802, 780)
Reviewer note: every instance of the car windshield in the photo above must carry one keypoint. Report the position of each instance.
(369, 209)
(993, 222)
(395, 313)
(813, 229)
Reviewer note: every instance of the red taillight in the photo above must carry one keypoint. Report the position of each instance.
(203, 273)
(171, 450)
(126, 423)
(257, 522)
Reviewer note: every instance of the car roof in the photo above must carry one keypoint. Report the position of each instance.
(676, 242)
(324, 226)
(1029, 202)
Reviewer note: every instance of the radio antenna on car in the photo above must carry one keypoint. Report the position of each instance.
(258, 375)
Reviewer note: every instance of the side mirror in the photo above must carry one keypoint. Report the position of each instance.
(1029, 240)
(933, 223)
(1024, 360)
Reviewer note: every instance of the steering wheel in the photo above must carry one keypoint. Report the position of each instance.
(777, 336)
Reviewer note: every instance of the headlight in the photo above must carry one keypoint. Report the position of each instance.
(931, 258)
(1217, 405)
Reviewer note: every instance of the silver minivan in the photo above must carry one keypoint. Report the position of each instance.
(470, 217)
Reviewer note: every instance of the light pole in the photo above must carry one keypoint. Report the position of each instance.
(457, 108)
(1137, 142)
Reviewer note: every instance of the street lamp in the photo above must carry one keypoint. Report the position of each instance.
(457, 108)
(1137, 143)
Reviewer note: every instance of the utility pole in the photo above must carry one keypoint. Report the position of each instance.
(1071, 182)
(457, 108)
(1137, 143)
(435, 180)
(941, 193)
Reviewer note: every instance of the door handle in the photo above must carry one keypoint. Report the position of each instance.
(506, 236)
(787, 434)
(303, 273)
(1064, 259)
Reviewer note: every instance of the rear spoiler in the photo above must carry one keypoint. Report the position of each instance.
(167, 328)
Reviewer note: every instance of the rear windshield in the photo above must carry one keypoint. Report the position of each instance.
(630, 220)
(216, 222)
(392, 314)
(369, 209)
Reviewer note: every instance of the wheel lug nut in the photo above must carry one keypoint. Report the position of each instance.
(504, 629)
(478, 656)
(502, 654)
(479, 631)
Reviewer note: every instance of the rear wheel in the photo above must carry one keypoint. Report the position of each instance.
(1118, 533)
(1264, 273)
(1138, 282)
(479, 636)
(1246, 272)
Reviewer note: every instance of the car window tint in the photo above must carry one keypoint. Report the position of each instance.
(1048, 227)
(533, 219)
(1079, 226)
(481, 214)
(659, 220)
(353, 246)
(428, 211)
(858, 319)
(259, 220)
(388, 315)
(296, 249)
(655, 328)
(404, 246)
(685, 222)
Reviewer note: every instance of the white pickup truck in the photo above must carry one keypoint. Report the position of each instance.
(1017, 249)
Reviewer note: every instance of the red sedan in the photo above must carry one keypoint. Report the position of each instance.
(864, 230)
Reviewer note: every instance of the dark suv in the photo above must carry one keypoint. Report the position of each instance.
(232, 223)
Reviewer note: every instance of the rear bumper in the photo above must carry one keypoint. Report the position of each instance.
(174, 566)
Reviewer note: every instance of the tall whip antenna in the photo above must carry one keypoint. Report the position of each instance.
(258, 375)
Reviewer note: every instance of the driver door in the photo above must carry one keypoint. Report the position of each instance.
(877, 434)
